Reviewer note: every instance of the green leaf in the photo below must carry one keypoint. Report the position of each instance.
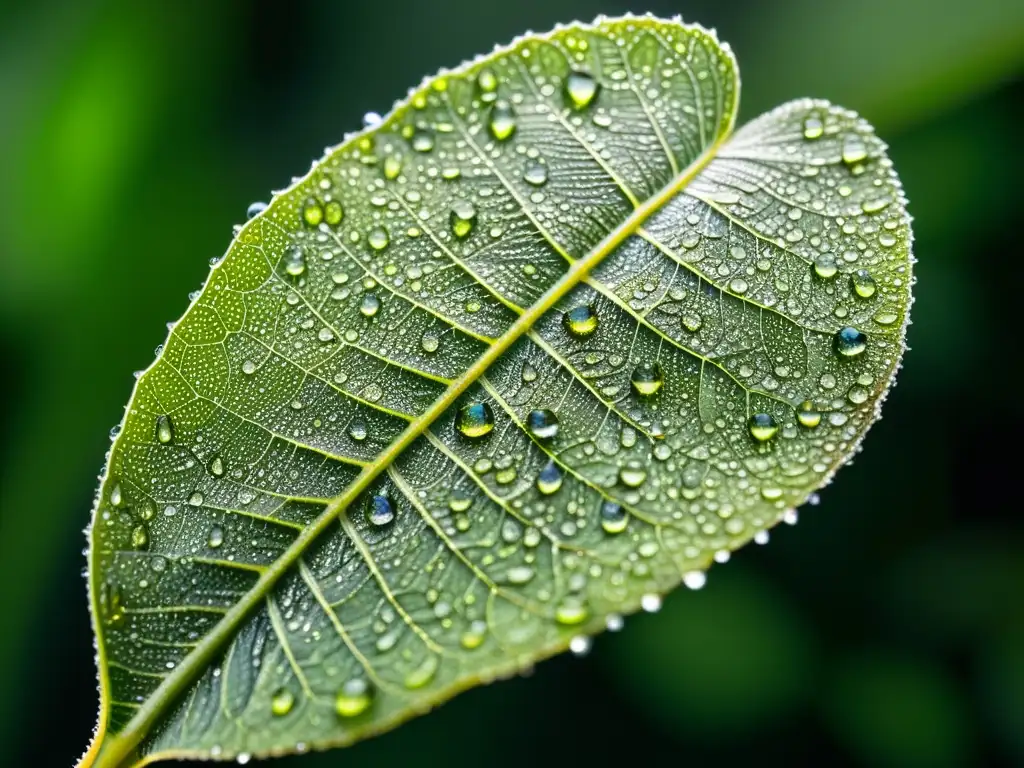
(511, 364)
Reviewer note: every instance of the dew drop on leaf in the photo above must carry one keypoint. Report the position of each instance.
(502, 122)
(863, 283)
(763, 427)
(312, 212)
(647, 378)
(378, 238)
(614, 518)
(580, 321)
(164, 429)
(282, 702)
(542, 423)
(550, 479)
(369, 305)
(808, 415)
(850, 342)
(475, 419)
(462, 218)
(381, 511)
(580, 89)
(353, 698)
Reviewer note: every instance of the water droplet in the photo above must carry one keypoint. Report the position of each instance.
(216, 537)
(571, 613)
(282, 702)
(254, 210)
(164, 429)
(542, 423)
(369, 305)
(354, 698)
(580, 321)
(614, 518)
(763, 427)
(863, 283)
(423, 674)
(580, 645)
(695, 579)
(196, 499)
(380, 511)
(325, 334)
(580, 89)
(486, 81)
(503, 121)
(475, 419)
(808, 415)
(633, 474)
(473, 637)
(215, 466)
(392, 167)
(140, 537)
(825, 266)
(248, 367)
(430, 341)
(813, 128)
(462, 218)
(333, 213)
(378, 238)
(854, 149)
(116, 496)
(550, 479)
(357, 429)
(520, 574)
(692, 323)
(651, 603)
(536, 174)
(460, 500)
(312, 212)
(295, 261)
(647, 378)
(529, 372)
(738, 285)
(886, 317)
(423, 141)
(850, 342)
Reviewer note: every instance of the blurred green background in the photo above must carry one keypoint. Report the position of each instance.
(886, 629)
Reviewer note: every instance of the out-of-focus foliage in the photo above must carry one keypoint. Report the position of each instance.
(894, 600)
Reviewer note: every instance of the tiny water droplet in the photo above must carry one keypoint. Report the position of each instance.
(850, 342)
(542, 423)
(164, 429)
(763, 427)
(580, 321)
(647, 378)
(580, 89)
(614, 518)
(475, 419)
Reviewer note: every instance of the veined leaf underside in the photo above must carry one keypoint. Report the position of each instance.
(541, 345)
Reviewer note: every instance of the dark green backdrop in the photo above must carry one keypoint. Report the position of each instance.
(886, 629)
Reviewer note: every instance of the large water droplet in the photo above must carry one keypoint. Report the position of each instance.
(536, 174)
(423, 674)
(254, 210)
(423, 141)
(550, 479)
(647, 378)
(825, 266)
(813, 128)
(333, 213)
(487, 81)
(216, 537)
(763, 427)
(580, 89)
(312, 212)
(633, 474)
(378, 238)
(430, 341)
(140, 537)
(282, 702)
(215, 466)
(542, 423)
(164, 429)
(475, 419)
(460, 500)
(295, 261)
(863, 283)
(370, 305)
(854, 149)
(380, 511)
(462, 218)
(503, 121)
(571, 613)
(354, 698)
(614, 518)
(850, 342)
(580, 321)
(808, 415)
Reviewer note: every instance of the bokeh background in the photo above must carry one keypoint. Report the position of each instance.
(886, 629)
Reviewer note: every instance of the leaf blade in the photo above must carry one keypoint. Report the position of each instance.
(416, 440)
